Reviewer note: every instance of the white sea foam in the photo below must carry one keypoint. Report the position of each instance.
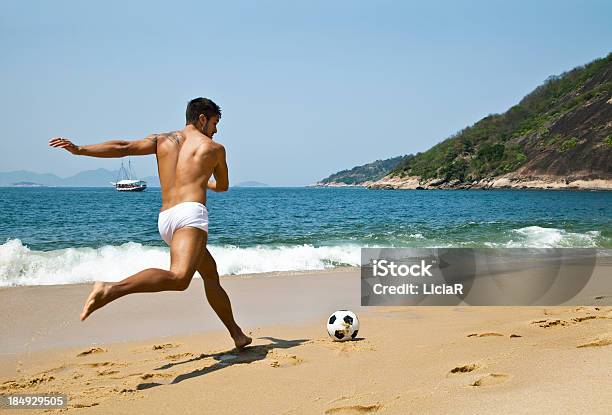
(538, 237)
(21, 266)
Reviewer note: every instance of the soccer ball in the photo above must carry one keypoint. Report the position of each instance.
(342, 325)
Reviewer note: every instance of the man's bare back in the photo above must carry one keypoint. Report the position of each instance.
(186, 160)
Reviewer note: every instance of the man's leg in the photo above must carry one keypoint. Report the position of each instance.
(218, 298)
(186, 245)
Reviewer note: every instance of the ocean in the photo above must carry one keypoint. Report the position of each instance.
(69, 235)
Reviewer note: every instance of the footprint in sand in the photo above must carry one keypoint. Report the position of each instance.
(354, 409)
(156, 376)
(125, 391)
(285, 360)
(553, 312)
(348, 397)
(127, 376)
(95, 391)
(604, 340)
(550, 323)
(165, 346)
(107, 372)
(83, 405)
(490, 379)
(465, 368)
(26, 384)
(581, 319)
(488, 334)
(59, 369)
(102, 364)
(92, 351)
(345, 348)
(180, 356)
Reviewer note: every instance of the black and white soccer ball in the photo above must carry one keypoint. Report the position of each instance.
(343, 325)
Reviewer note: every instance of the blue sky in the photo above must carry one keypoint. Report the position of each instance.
(306, 88)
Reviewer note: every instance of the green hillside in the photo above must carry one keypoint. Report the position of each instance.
(561, 128)
(367, 172)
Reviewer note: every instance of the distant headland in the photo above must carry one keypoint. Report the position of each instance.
(557, 137)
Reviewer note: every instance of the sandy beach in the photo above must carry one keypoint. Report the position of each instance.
(167, 352)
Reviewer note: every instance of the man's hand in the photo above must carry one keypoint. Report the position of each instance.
(212, 185)
(64, 143)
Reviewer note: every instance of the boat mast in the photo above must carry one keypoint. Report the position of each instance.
(121, 172)
(131, 174)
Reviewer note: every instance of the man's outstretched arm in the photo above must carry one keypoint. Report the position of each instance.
(109, 149)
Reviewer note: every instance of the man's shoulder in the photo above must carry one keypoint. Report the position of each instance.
(219, 147)
(175, 136)
(211, 145)
(207, 147)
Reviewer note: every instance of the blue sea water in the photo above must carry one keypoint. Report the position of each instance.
(65, 235)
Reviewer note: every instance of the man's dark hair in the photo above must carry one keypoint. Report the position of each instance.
(199, 106)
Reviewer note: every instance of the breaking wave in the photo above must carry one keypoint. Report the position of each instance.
(21, 266)
(538, 237)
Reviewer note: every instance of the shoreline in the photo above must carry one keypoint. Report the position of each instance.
(502, 182)
(197, 276)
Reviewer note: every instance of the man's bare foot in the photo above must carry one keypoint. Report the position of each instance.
(95, 299)
(242, 341)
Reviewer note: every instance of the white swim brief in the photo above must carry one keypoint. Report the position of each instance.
(193, 214)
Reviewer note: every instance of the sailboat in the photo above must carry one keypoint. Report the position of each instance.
(127, 181)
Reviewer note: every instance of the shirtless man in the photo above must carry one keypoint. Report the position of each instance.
(186, 160)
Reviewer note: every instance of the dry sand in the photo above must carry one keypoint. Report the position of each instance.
(460, 360)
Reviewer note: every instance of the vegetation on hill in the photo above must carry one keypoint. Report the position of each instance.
(568, 118)
(367, 172)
